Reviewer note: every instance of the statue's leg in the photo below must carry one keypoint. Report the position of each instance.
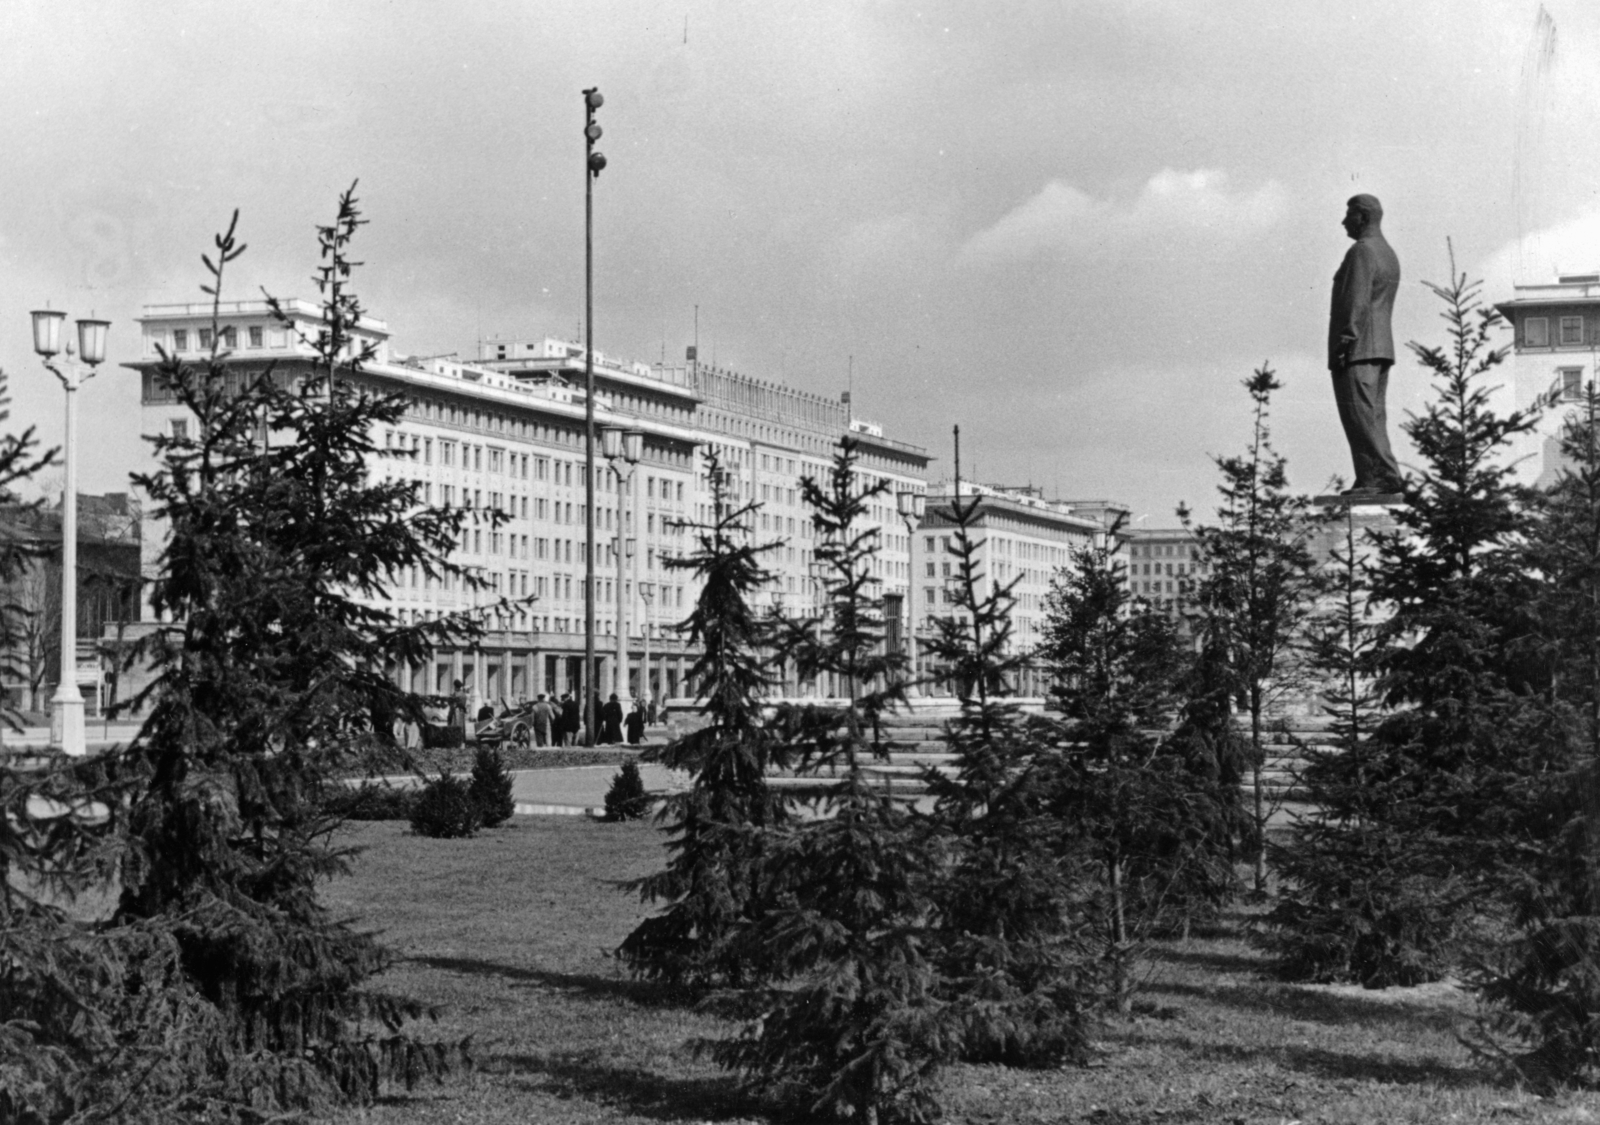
(1385, 470)
(1349, 418)
(1359, 390)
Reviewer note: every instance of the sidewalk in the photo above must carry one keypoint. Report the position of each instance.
(98, 735)
(582, 789)
(570, 791)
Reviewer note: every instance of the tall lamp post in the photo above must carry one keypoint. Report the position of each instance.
(66, 709)
(911, 505)
(647, 592)
(626, 446)
(593, 164)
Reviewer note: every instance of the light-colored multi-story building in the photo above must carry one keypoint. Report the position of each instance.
(1020, 538)
(1165, 565)
(505, 432)
(1556, 336)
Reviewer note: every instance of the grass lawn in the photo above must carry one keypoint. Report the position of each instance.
(511, 933)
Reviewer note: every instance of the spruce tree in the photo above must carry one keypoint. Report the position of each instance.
(626, 798)
(1409, 882)
(854, 1023)
(1255, 599)
(272, 587)
(96, 1019)
(713, 886)
(74, 1038)
(490, 789)
(1013, 951)
(1543, 985)
(1141, 813)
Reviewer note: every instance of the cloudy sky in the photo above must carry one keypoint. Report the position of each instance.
(1072, 228)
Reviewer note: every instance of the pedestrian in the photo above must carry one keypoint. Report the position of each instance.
(611, 721)
(457, 717)
(570, 722)
(543, 719)
(636, 723)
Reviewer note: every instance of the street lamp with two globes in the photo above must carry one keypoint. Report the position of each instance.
(626, 446)
(66, 708)
(911, 505)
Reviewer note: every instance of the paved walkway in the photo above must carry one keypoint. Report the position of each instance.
(579, 789)
(573, 791)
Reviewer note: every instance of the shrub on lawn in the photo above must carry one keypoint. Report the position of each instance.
(491, 788)
(445, 810)
(626, 799)
(371, 802)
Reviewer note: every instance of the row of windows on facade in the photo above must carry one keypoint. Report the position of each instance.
(1164, 550)
(523, 466)
(1018, 548)
(157, 392)
(1172, 569)
(522, 584)
(547, 549)
(255, 337)
(520, 619)
(429, 409)
(1536, 331)
(558, 511)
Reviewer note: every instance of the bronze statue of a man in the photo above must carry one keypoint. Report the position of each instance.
(1361, 345)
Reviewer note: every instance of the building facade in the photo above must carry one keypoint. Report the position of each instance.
(506, 432)
(1022, 540)
(1165, 567)
(107, 599)
(1555, 338)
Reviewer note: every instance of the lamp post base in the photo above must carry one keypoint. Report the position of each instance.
(66, 722)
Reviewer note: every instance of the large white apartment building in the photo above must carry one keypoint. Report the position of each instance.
(506, 432)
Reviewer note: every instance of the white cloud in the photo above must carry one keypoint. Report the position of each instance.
(1171, 203)
(1537, 257)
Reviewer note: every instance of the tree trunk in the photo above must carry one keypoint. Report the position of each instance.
(1258, 761)
(1119, 940)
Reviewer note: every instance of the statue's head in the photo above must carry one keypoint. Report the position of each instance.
(1363, 213)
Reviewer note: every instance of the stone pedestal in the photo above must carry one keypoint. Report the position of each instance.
(1351, 518)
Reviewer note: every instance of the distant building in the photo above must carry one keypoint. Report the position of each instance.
(505, 431)
(1022, 538)
(1556, 335)
(1165, 567)
(768, 437)
(107, 596)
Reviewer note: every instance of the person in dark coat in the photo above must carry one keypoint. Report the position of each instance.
(458, 708)
(570, 723)
(611, 721)
(636, 723)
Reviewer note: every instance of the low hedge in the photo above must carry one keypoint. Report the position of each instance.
(371, 802)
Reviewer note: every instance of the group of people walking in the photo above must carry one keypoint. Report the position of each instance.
(556, 722)
(561, 723)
